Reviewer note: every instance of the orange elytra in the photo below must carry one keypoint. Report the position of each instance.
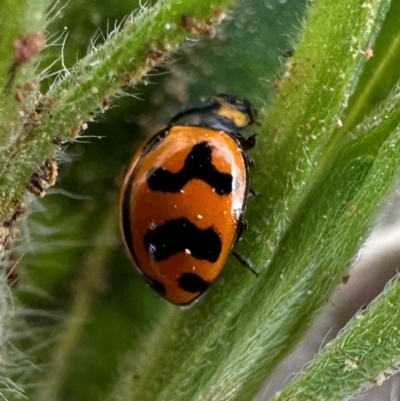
(184, 195)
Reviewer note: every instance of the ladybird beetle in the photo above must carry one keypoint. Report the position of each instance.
(184, 195)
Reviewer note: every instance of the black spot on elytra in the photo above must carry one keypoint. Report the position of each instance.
(191, 282)
(180, 235)
(197, 165)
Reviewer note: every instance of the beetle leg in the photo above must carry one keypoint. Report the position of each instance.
(242, 226)
(250, 161)
(249, 142)
(253, 192)
(244, 262)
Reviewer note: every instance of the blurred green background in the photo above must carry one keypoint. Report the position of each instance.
(73, 232)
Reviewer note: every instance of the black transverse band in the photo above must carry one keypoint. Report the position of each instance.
(180, 235)
(197, 165)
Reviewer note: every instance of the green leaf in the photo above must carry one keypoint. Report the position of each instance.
(311, 172)
(322, 179)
